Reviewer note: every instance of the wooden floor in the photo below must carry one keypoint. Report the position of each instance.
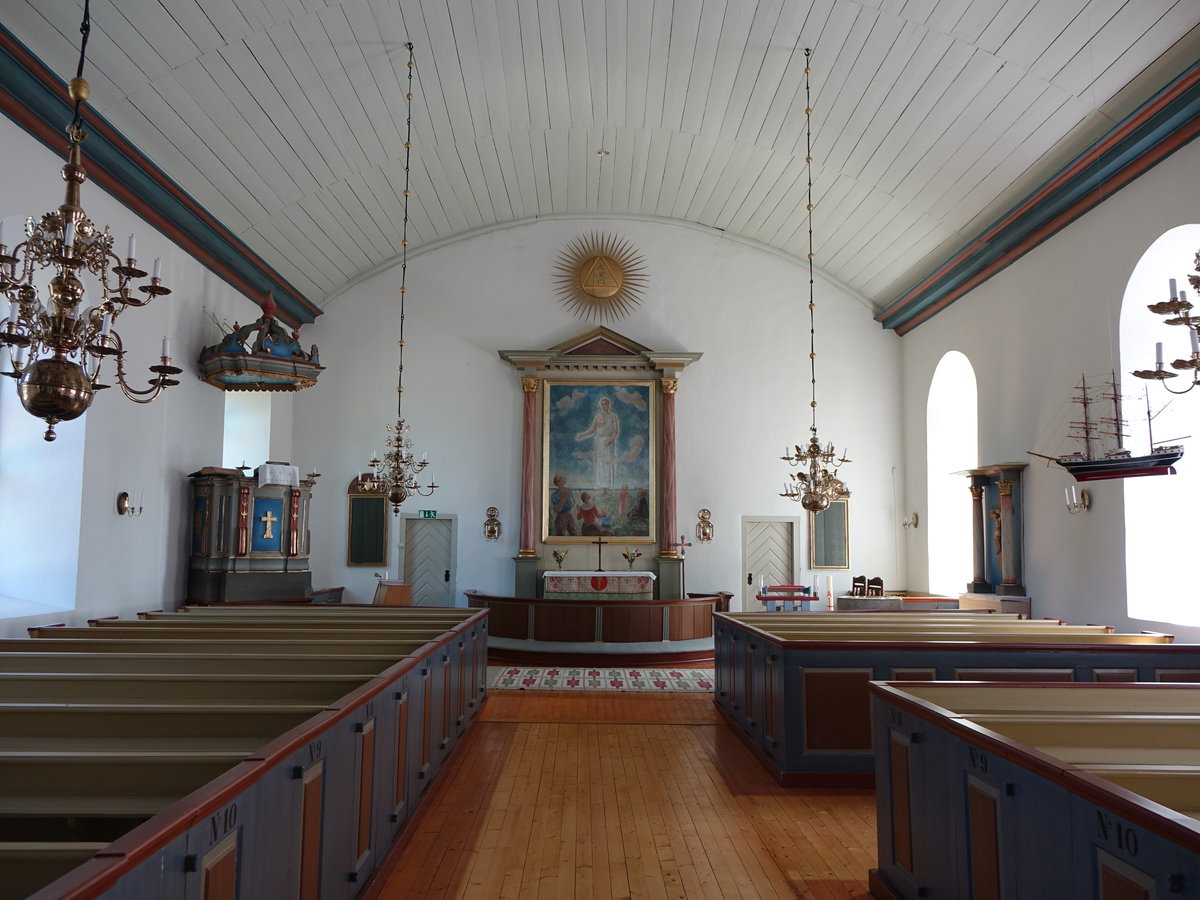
(578, 795)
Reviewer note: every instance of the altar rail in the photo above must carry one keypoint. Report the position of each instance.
(152, 758)
(535, 620)
(795, 685)
(1037, 791)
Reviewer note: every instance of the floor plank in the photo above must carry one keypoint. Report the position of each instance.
(561, 794)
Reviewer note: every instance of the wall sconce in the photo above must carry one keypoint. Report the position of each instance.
(911, 522)
(1077, 502)
(491, 525)
(125, 506)
(704, 528)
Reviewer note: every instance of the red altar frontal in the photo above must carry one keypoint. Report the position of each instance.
(598, 585)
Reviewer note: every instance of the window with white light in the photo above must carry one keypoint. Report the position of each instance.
(951, 445)
(41, 491)
(1159, 570)
(247, 435)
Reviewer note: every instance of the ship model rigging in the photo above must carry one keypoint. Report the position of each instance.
(1098, 459)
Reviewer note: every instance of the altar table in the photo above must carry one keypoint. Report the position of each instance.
(598, 585)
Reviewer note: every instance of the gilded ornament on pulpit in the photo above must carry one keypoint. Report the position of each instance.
(600, 277)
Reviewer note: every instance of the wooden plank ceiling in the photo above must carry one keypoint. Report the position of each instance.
(285, 118)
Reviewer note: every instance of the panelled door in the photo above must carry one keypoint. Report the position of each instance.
(428, 552)
(768, 553)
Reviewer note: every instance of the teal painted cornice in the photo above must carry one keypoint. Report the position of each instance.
(36, 99)
(1158, 128)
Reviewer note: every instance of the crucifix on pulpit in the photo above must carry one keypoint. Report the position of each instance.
(269, 519)
(599, 542)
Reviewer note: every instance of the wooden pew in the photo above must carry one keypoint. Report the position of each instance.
(975, 782)
(191, 688)
(214, 662)
(104, 729)
(795, 686)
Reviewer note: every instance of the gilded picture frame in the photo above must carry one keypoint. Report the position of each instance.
(599, 444)
(829, 536)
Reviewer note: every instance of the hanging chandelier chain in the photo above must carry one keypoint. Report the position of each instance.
(814, 485)
(395, 474)
(408, 99)
(808, 158)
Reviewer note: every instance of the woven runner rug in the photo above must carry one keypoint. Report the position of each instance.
(599, 678)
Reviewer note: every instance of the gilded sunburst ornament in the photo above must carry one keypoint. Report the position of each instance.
(600, 277)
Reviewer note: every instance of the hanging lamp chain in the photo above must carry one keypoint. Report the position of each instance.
(408, 99)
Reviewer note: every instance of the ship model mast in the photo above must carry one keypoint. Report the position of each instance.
(1093, 464)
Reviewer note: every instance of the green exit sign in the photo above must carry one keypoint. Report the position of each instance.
(429, 514)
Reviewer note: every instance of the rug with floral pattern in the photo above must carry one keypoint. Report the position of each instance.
(599, 678)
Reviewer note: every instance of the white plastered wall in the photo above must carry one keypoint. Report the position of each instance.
(1029, 333)
(744, 308)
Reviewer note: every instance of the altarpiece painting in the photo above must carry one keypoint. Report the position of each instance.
(599, 461)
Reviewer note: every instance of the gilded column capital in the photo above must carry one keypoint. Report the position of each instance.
(976, 491)
(668, 385)
(1006, 488)
(529, 384)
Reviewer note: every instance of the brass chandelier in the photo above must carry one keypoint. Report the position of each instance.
(395, 475)
(56, 349)
(1177, 311)
(814, 484)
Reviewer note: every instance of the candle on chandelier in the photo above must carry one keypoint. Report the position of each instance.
(105, 324)
(1074, 496)
(132, 254)
(157, 266)
(1, 232)
(14, 312)
(69, 234)
(1158, 354)
(166, 347)
(1195, 341)
(1173, 294)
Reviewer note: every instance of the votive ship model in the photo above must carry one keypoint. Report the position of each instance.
(1094, 462)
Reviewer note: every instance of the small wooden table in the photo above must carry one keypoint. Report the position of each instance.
(392, 593)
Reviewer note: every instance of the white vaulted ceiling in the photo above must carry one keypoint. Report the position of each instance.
(285, 118)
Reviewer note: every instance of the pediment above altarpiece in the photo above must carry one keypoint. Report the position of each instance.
(601, 352)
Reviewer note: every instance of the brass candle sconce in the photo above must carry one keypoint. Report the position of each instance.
(491, 525)
(125, 506)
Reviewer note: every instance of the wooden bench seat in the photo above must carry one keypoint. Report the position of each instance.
(1113, 781)
(215, 661)
(175, 688)
(1052, 699)
(1022, 626)
(28, 865)
(236, 631)
(96, 773)
(978, 637)
(1126, 731)
(254, 721)
(796, 686)
(311, 646)
(156, 738)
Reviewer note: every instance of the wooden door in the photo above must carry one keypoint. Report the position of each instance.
(428, 552)
(769, 555)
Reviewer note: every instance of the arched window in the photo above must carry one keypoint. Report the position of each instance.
(1159, 570)
(952, 445)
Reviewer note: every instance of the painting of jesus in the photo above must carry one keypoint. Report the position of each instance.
(597, 454)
